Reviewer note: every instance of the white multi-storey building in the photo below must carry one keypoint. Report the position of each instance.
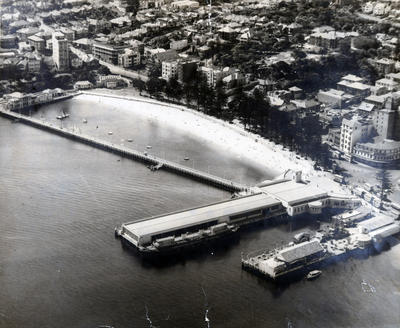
(352, 131)
(169, 69)
(60, 51)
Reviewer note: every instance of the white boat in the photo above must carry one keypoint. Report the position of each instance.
(110, 133)
(186, 158)
(84, 120)
(148, 147)
(313, 274)
(129, 140)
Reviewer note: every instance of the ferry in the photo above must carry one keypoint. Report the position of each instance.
(314, 274)
(178, 243)
(172, 244)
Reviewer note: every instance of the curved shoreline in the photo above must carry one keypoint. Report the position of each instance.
(265, 153)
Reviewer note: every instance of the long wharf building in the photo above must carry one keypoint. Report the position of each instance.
(273, 199)
(235, 211)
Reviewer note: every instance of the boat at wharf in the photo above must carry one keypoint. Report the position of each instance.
(187, 241)
(314, 274)
(323, 248)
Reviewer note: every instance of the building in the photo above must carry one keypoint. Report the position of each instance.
(355, 88)
(8, 41)
(37, 42)
(239, 211)
(181, 69)
(18, 100)
(384, 122)
(182, 4)
(384, 153)
(385, 66)
(389, 84)
(83, 85)
(33, 62)
(169, 69)
(107, 52)
(352, 131)
(336, 98)
(60, 51)
(179, 44)
(299, 197)
(214, 75)
(129, 58)
(112, 81)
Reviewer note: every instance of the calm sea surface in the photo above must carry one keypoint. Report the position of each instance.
(60, 265)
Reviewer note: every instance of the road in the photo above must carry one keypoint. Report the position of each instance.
(123, 72)
(377, 19)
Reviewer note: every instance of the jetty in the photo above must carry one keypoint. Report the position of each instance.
(127, 152)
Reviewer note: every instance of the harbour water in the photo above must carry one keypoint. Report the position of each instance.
(60, 265)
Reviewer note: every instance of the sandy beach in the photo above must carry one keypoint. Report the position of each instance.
(217, 133)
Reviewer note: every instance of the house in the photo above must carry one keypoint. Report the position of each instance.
(83, 85)
(385, 66)
(188, 4)
(389, 84)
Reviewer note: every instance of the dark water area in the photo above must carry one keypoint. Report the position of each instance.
(60, 265)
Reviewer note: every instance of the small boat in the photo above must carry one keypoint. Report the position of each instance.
(186, 158)
(129, 140)
(148, 147)
(84, 120)
(313, 274)
(62, 116)
(110, 133)
(155, 167)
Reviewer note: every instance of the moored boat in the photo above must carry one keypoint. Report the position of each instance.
(189, 240)
(314, 274)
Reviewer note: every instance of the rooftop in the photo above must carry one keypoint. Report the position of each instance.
(300, 251)
(187, 218)
(376, 222)
(293, 193)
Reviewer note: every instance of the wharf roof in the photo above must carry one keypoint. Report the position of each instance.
(199, 215)
(294, 193)
(300, 251)
(377, 222)
(386, 231)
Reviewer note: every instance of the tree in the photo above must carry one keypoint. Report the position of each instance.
(173, 89)
(384, 182)
(154, 86)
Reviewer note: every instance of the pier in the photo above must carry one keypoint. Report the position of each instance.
(127, 152)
